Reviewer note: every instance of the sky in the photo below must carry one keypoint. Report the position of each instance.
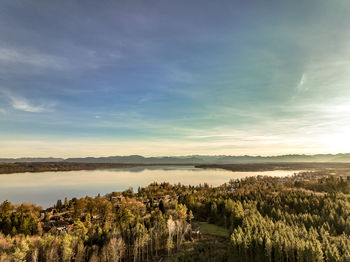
(156, 78)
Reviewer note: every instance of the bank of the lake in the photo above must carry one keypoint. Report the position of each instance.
(45, 188)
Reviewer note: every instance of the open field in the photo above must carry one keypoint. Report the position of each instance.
(211, 229)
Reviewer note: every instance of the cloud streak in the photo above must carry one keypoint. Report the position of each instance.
(31, 58)
(22, 104)
(301, 84)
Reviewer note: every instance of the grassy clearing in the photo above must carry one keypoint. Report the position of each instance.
(211, 229)
(208, 248)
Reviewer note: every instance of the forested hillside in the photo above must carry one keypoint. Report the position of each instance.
(301, 218)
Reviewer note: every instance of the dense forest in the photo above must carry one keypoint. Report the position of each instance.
(305, 217)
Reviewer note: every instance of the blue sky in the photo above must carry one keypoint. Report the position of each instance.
(97, 78)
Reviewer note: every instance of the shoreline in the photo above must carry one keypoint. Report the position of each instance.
(35, 167)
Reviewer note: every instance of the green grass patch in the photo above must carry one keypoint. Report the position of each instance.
(211, 229)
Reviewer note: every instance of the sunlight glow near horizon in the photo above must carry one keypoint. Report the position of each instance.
(161, 78)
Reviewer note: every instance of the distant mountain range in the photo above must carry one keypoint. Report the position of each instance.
(195, 159)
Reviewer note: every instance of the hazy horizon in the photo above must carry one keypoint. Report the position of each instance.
(174, 156)
(158, 78)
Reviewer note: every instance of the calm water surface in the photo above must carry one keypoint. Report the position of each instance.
(46, 187)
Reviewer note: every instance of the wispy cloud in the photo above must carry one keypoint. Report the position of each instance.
(29, 57)
(301, 84)
(22, 60)
(22, 104)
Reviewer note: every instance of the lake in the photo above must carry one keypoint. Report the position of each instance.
(46, 188)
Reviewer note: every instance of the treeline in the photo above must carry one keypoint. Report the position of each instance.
(8, 168)
(344, 168)
(24, 221)
(328, 184)
(270, 219)
(20, 167)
